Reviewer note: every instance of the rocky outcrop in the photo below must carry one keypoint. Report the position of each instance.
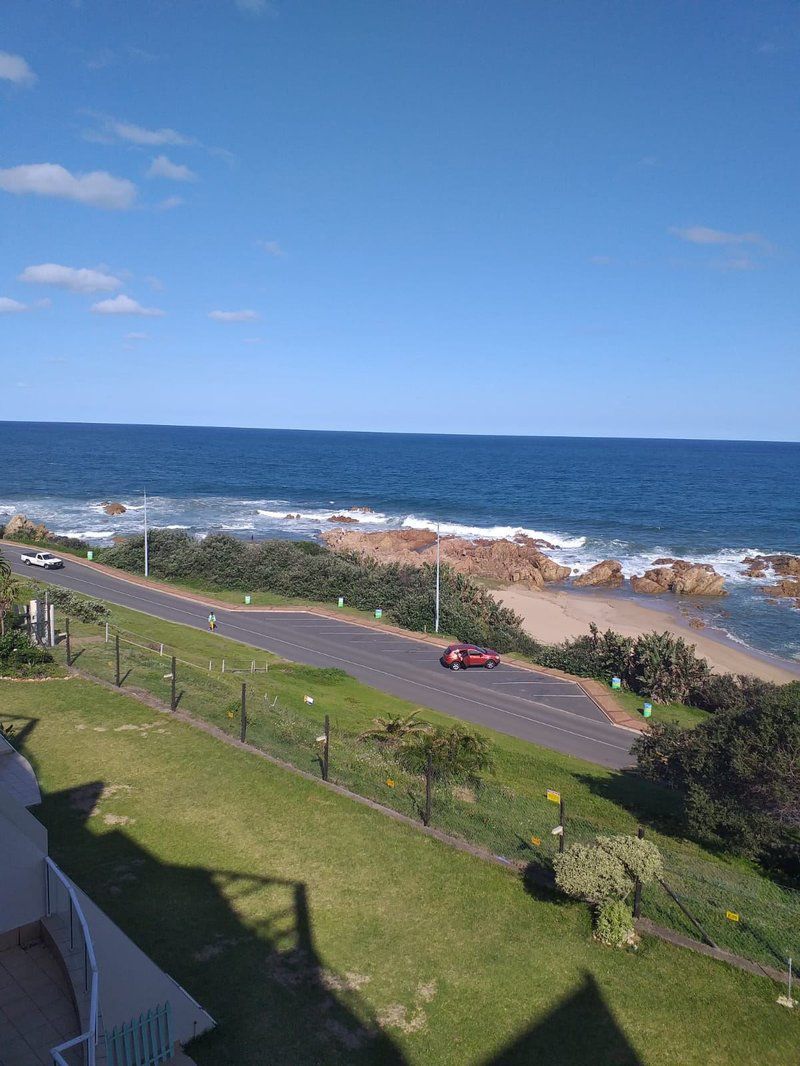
(342, 519)
(114, 508)
(787, 587)
(681, 577)
(782, 565)
(20, 526)
(361, 510)
(292, 516)
(607, 574)
(505, 561)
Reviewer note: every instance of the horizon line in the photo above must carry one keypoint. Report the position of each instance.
(398, 433)
(403, 433)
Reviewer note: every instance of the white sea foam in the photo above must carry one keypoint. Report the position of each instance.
(455, 529)
(86, 534)
(319, 517)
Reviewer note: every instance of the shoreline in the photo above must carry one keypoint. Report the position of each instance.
(554, 615)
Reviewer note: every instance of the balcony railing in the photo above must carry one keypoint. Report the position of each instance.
(71, 932)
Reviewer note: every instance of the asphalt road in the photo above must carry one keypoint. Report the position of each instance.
(548, 711)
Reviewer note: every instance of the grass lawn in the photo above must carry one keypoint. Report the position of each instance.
(685, 717)
(316, 930)
(504, 816)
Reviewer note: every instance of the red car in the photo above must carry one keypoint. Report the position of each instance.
(460, 656)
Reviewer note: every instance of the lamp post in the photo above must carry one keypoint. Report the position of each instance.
(438, 561)
(146, 546)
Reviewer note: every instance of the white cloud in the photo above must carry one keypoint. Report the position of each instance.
(81, 279)
(169, 203)
(270, 246)
(11, 307)
(162, 167)
(156, 284)
(124, 305)
(706, 235)
(740, 262)
(100, 60)
(137, 336)
(15, 69)
(128, 131)
(97, 189)
(233, 316)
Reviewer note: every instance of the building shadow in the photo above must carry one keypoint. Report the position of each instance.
(242, 943)
(581, 1031)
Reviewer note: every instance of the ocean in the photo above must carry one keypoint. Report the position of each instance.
(634, 500)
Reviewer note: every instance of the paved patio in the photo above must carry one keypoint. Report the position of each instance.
(36, 1009)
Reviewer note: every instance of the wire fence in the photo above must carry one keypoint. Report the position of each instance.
(725, 902)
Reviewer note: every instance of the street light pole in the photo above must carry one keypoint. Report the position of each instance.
(438, 561)
(146, 546)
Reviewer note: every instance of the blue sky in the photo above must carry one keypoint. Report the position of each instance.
(515, 217)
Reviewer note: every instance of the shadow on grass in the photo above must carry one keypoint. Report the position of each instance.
(242, 943)
(581, 1029)
(653, 804)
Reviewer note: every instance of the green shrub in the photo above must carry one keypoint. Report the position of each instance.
(606, 870)
(738, 774)
(613, 923)
(83, 608)
(20, 658)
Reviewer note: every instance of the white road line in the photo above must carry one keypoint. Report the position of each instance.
(398, 677)
(567, 684)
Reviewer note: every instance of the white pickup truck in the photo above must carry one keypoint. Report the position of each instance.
(45, 559)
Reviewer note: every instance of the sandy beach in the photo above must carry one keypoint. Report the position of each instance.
(554, 615)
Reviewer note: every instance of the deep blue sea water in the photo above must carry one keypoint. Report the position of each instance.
(713, 501)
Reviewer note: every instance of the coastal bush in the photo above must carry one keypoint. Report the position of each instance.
(664, 667)
(84, 608)
(738, 775)
(20, 658)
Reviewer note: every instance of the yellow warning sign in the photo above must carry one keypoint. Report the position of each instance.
(554, 797)
(732, 916)
(537, 841)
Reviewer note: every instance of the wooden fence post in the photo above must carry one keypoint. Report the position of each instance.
(244, 713)
(69, 646)
(637, 892)
(116, 656)
(426, 817)
(173, 699)
(562, 814)
(327, 749)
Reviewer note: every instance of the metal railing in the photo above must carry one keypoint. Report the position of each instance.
(62, 901)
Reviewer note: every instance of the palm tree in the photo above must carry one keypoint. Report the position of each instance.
(395, 728)
(5, 566)
(9, 591)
